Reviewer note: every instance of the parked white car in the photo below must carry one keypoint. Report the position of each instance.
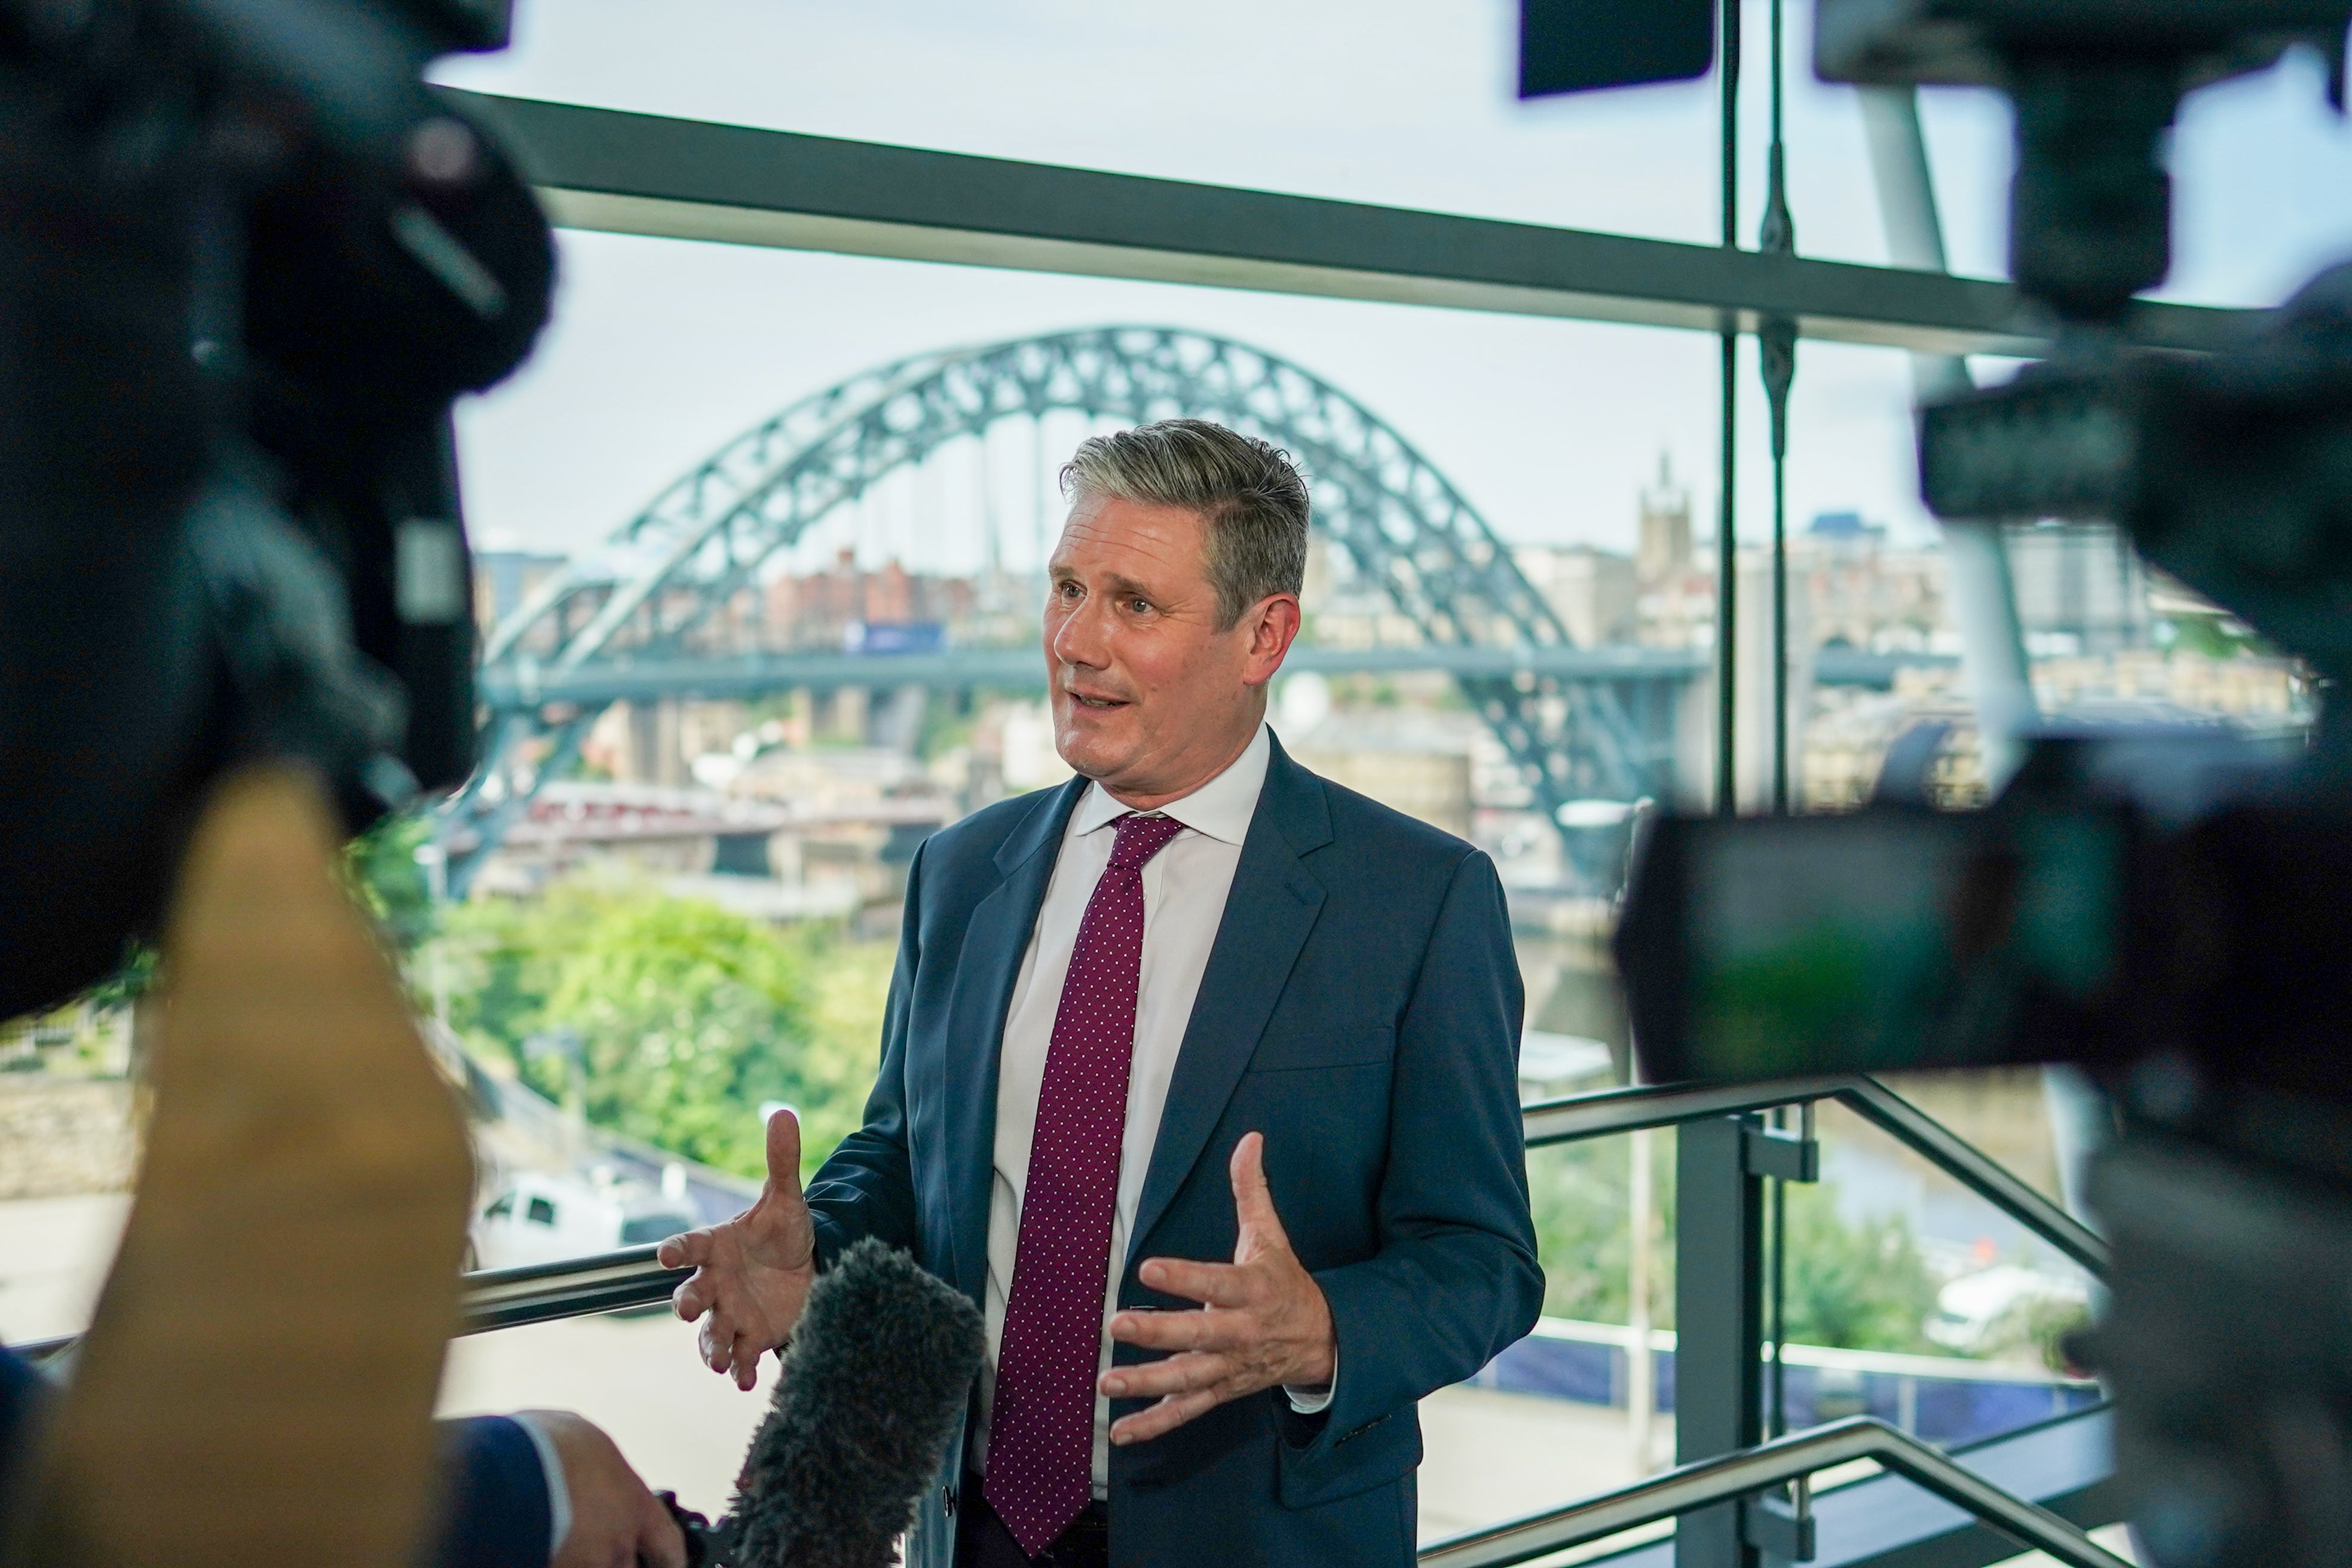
(540, 1218)
(1970, 1312)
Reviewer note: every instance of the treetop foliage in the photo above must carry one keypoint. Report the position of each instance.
(679, 1019)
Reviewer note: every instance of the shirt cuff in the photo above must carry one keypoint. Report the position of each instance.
(559, 1491)
(1314, 1401)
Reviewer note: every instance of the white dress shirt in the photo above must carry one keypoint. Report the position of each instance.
(1184, 889)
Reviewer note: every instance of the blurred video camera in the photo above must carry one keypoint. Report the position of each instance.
(249, 260)
(2167, 907)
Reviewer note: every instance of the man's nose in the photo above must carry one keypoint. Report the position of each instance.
(1078, 638)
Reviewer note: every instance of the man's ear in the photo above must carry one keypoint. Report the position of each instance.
(1273, 626)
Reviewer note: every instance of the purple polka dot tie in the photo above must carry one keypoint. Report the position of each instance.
(1041, 1439)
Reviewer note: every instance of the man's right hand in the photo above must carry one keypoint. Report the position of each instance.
(752, 1274)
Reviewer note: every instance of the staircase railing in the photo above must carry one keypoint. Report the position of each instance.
(579, 1286)
(1612, 1110)
(1752, 1471)
(511, 1297)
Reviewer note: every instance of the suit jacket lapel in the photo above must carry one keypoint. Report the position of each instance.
(1272, 906)
(996, 941)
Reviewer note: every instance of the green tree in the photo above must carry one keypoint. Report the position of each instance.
(690, 1017)
(141, 964)
(1854, 1287)
(1848, 1286)
(851, 989)
(382, 869)
(686, 1016)
(1581, 1194)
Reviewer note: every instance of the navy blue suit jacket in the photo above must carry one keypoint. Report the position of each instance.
(494, 1510)
(1361, 1008)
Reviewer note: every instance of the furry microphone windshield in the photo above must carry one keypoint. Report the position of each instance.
(877, 1378)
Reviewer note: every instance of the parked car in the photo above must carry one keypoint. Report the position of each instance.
(1978, 1312)
(540, 1219)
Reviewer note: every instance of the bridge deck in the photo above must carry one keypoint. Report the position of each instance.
(517, 685)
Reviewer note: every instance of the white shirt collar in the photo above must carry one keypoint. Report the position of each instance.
(1219, 809)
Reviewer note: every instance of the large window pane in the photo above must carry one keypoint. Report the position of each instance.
(662, 351)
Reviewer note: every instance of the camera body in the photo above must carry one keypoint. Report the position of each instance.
(2095, 85)
(2233, 472)
(252, 261)
(2165, 907)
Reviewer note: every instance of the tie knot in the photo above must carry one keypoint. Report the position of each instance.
(1141, 837)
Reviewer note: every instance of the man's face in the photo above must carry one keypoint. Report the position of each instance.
(1150, 697)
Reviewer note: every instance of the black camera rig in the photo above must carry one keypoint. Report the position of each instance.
(2167, 907)
(250, 261)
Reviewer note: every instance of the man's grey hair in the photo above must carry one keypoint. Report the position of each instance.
(1249, 492)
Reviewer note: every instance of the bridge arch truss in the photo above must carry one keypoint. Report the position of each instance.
(664, 578)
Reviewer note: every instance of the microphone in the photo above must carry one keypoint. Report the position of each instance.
(877, 1378)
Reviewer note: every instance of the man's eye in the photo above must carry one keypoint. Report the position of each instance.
(1140, 606)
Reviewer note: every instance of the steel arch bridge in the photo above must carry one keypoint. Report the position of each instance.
(666, 575)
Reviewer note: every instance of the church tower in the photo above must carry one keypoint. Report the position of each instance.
(1666, 540)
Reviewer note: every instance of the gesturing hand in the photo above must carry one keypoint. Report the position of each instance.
(752, 1274)
(1263, 1320)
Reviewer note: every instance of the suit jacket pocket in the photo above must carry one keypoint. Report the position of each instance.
(1284, 1050)
(1371, 1457)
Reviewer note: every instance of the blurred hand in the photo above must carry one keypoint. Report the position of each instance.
(1263, 1320)
(616, 1522)
(752, 1274)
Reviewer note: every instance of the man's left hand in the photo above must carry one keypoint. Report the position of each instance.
(1263, 1321)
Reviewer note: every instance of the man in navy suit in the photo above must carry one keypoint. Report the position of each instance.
(1199, 1073)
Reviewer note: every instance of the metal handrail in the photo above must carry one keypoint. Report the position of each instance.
(575, 1288)
(510, 1297)
(1611, 1110)
(602, 1283)
(1751, 1471)
(608, 1281)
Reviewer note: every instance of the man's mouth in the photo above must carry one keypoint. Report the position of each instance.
(1094, 701)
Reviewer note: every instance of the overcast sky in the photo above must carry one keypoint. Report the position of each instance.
(663, 350)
